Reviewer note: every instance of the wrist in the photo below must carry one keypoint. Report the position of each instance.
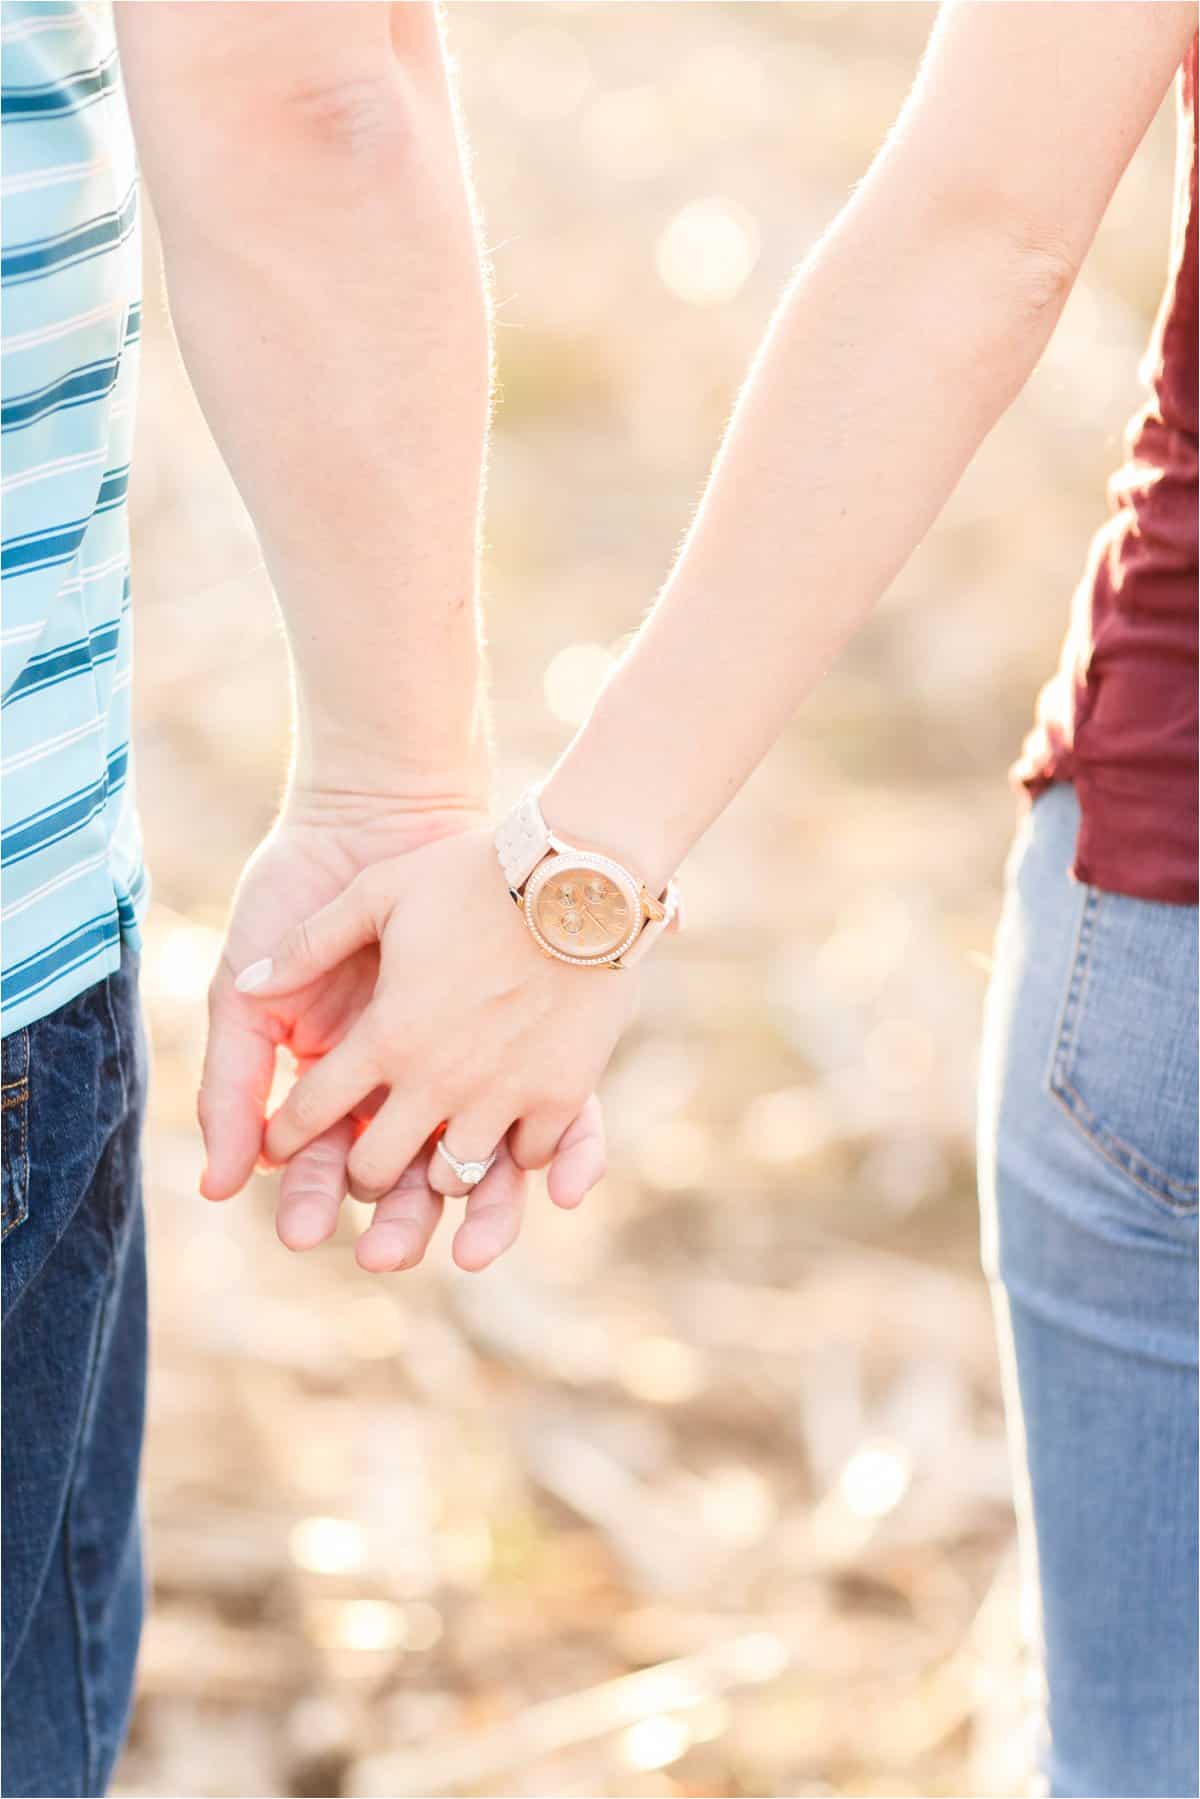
(438, 760)
(601, 796)
(418, 812)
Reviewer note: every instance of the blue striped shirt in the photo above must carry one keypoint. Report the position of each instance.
(72, 884)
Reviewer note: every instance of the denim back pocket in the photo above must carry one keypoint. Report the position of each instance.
(15, 1093)
(1125, 1061)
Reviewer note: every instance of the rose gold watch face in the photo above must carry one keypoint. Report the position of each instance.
(581, 912)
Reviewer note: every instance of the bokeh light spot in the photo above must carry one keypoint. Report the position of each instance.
(781, 1127)
(662, 1371)
(738, 1504)
(574, 679)
(707, 252)
(875, 1479)
(328, 1545)
(654, 1743)
(367, 1625)
(179, 958)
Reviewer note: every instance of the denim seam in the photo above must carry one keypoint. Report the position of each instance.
(82, 1635)
(15, 1099)
(15, 1213)
(1177, 1197)
(112, 1232)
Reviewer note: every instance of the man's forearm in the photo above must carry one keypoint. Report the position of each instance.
(326, 290)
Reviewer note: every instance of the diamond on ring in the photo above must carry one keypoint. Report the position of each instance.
(469, 1173)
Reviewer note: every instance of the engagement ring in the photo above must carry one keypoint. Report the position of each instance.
(469, 1173)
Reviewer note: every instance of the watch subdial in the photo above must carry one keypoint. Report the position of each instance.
(583, 914)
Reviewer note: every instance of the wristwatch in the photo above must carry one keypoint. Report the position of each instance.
(580, 906)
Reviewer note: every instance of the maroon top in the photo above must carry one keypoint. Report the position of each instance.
(1119, 719)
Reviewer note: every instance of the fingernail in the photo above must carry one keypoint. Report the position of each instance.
(306, 1227)
(254, 977)
(396, 1243)
(477, 1244)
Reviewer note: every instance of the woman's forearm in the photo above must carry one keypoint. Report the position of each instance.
(862, 411)
(903, 338)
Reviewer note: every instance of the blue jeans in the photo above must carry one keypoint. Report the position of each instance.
(74, 1368)
(1088, 1185)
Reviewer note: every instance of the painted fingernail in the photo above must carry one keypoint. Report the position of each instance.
(254, 977)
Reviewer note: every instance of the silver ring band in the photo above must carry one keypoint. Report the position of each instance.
(469, 1173)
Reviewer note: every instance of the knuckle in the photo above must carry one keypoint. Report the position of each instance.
(532, 1149)
(372, 895)
(302, 1109)
(298, 945)
(566, 1100)
(390, 1035)
(321, 1157)
(366, 1171)
(367, 885)
(305, 1190)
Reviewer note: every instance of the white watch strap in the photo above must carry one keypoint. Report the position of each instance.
(522, 841)
(654, 928)
(524, 838)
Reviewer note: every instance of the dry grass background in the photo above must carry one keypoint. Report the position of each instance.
(704, 1489)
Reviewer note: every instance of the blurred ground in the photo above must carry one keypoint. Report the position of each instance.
(703, 1490)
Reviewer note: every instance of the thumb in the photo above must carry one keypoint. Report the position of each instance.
(239, 1063)
(315, 945)
(580, 1160)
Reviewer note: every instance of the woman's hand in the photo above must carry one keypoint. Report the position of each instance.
(318, 847)
(470, 1026)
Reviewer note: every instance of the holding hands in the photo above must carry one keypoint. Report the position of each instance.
(431, 1031)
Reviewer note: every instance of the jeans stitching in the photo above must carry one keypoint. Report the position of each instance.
(15, 1212)
(1064, 1033)
(15, 1099)
(1177, 1197)
(113, 1233)
(82, 1638)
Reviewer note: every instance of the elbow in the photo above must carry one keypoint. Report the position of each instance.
(996, 295)
(1040, 278)
(1030, 284)
(362, 115)
(330, 132)
(378, 97)
(357, 117)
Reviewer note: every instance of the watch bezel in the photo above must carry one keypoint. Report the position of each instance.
(553, 866)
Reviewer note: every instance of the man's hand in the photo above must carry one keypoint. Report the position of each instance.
(317, 849)
(469, 1027)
